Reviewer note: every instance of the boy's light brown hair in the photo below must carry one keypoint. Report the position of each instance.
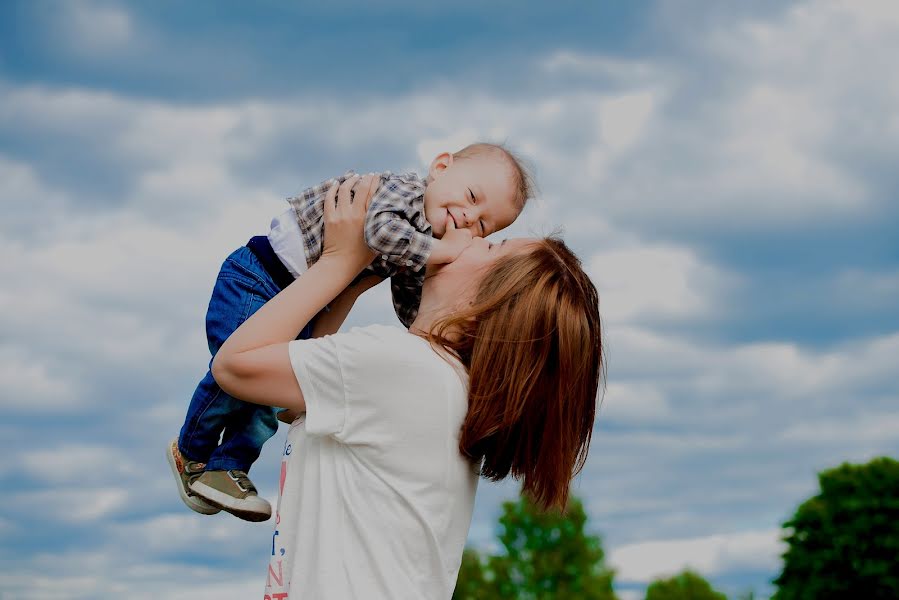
(521, 171)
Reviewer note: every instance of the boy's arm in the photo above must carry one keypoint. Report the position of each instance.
(388, 230)
(395, 239)
(446, 249)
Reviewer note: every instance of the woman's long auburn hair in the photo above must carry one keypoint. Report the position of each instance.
(531, 342)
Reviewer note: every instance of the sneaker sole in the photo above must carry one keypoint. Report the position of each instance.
(194, 504)
(230, 503)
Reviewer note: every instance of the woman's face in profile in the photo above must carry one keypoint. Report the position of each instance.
(474, 261)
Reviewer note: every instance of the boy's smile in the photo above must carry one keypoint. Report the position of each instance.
(475, 193)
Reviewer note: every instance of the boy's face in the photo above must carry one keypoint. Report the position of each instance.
(476, 193)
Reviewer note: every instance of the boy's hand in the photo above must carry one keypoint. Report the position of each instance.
(451, 245)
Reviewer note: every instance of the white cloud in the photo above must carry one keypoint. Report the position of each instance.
(710, 555)
(93, 27)
(781, 373)
(126, 292)
(656, 281)
(117, 571)
(74, 506)
(629, 71)
(623, 119)
(797, 372)
(76, 463)
(428, 148)
(174, 533)
(634, 403)
(776, 157)
(859, 429)
(26, 200)
(812, 93)
(774, 139)
(40, 586)
(620, 123)
(691, 431)
(680, 443)
(31, 383)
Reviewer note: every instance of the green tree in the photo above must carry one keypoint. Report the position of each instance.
(472, 582)
(685, 586)
(547, 556)
(844, 541)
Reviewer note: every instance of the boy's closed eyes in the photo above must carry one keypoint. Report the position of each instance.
(475, 193)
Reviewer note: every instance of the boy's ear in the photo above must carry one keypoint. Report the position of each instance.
(440, 163)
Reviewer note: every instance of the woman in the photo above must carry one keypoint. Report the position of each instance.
(497, 375)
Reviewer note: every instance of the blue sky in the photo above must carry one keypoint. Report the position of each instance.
(725, 171)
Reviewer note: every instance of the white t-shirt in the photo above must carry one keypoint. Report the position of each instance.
(287, 242)
(376, 499)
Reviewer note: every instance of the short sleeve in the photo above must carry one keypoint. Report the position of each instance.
(316, 365)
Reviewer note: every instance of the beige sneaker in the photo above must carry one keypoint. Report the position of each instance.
(187, 471)
(234, 492)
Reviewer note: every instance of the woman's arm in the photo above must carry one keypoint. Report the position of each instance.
(330, 322)
(253, 364)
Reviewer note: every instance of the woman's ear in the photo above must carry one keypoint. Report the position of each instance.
(440, 164)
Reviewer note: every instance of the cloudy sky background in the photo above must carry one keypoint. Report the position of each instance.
(726, 171)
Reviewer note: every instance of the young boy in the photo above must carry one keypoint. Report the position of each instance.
(411, 222)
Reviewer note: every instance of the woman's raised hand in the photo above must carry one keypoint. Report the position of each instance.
(345, 221)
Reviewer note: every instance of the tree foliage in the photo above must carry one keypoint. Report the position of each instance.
(844, 541)
(684, 586)
(472, 582)
(547, 555)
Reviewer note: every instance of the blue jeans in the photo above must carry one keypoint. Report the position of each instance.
(242, 287)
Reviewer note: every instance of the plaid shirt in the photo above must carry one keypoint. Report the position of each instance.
(395, 228)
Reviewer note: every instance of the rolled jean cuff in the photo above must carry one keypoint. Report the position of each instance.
(226, 464)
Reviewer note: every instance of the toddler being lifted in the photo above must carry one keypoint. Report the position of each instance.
(411, 222)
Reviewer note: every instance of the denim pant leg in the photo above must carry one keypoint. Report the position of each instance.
(241, 288)
(247, 429)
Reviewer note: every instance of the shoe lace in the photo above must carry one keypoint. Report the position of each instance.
(241, 478)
